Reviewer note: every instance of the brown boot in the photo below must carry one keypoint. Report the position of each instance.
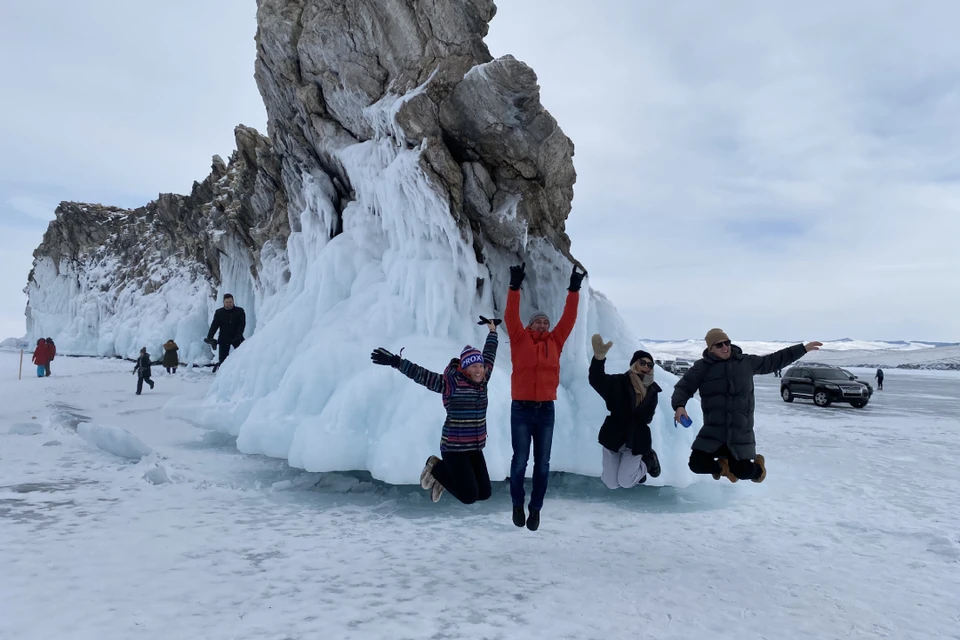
(763, 468)
(724, 470)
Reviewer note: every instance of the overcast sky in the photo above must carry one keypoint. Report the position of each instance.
(782, 170)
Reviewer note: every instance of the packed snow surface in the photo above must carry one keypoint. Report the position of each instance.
(853, 534)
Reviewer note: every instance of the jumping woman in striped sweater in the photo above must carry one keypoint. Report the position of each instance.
(463, 387)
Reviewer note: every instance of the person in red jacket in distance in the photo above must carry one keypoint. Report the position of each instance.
(535, 354)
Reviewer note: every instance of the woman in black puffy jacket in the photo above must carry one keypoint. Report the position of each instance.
(631, 399)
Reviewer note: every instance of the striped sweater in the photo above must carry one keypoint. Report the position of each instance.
(465, 428)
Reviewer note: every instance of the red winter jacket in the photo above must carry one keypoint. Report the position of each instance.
(52, 348)
(41, 356)
(536, 354)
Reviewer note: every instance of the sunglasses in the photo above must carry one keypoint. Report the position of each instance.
(721, 345)
(645, 363)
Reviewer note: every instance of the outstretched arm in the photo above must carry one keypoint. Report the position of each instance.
(777, 360)
(688, 384)
(424, 377)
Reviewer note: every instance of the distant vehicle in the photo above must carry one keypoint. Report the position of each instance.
(680, 367)
(824, 385)
(667, 365)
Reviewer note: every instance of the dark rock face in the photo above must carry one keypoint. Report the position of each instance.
(334, 74)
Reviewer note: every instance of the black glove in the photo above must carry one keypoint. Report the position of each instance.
(383, 357)
(576, 279)
(236, 343)
(516, 276)
(210, 341)
(496, 321)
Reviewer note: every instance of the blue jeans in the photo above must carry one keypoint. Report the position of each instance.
(530, 421)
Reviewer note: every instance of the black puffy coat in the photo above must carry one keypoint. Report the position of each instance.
(231, 323)
(627, 424)
(726, 396)
(171, 354)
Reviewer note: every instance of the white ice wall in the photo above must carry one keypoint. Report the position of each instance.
(81, 308)
(402, 274)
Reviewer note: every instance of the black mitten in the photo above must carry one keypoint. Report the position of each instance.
(517, 275)
(383, 357)
(576, 279)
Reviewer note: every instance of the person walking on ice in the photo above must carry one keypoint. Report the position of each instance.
(726, 445)
(631, 399)
(231, 321)
(142, 369)
(879, 378)
(461, 469)
(535, 355)
(41, 358)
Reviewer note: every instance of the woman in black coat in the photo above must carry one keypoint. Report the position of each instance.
(631, 399)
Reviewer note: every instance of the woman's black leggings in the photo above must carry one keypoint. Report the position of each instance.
(464, 475)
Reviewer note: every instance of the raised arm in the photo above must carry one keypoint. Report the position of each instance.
(598, 377)
(569, 318)
(688, 384)
(490, 351)
(776, 360)
(511, 315)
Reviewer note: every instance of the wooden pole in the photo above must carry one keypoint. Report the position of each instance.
(20, 375)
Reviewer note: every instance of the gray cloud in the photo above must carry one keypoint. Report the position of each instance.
(783, 171)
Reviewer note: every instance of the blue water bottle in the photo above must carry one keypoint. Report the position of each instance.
(685, 421)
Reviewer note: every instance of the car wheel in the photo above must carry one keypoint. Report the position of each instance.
(821, 399)
(859, 404)
(785, 394)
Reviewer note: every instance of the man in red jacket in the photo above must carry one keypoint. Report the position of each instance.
(535, 354)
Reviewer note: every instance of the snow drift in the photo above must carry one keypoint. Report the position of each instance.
(405, 171)
(115, 440)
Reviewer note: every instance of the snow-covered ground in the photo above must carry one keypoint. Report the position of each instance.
(854, 534)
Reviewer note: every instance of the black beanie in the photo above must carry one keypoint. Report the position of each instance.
(639, 354)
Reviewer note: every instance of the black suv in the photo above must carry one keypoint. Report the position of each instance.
(824, 385)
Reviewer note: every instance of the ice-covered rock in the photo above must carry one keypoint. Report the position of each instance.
(108, 281)
(115, 440)
(156, 475)
(406, 171)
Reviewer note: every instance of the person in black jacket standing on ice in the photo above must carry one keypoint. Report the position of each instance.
(230, 320)
(726, 445)
(631, 399)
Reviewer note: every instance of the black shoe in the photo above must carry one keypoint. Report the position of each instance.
(138, 393)
(151, 385)
(653, 463)
(533, 522)
(519, 517)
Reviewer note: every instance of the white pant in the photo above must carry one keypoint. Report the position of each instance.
(622, 469)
